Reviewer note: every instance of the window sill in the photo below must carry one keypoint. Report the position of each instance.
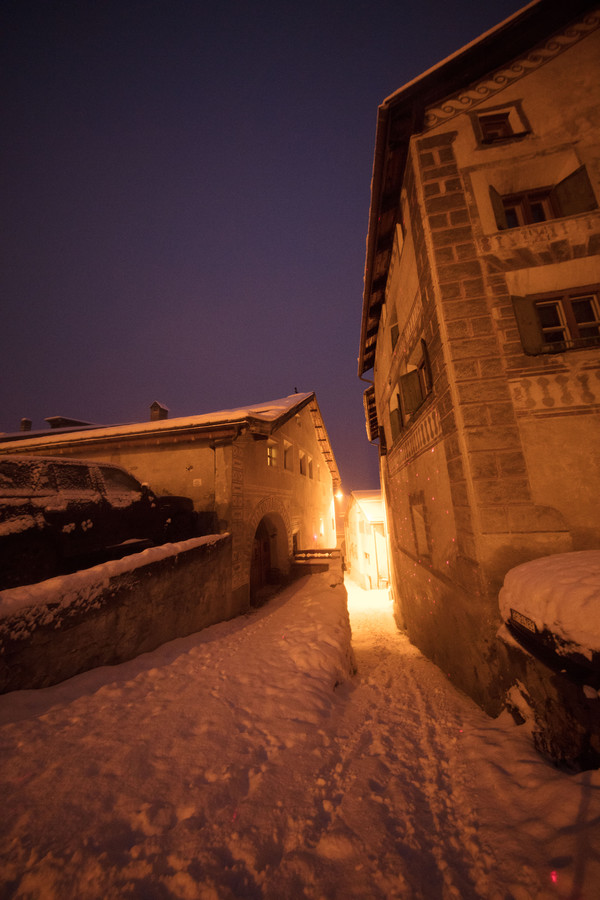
(567, 346)
(485, 144)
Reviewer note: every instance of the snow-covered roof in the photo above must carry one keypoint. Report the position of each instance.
(268, 413)
(261, 418)
(414, 82)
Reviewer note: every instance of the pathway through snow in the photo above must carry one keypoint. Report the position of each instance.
(227, 765)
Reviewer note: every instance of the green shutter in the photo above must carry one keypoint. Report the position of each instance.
(528, 324)
(574, 194)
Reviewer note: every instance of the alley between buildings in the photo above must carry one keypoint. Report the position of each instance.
(245, 762)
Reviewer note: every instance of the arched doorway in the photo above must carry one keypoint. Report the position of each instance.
(269, 562)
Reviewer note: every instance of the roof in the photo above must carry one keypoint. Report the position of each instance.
(371, 505)
(402, 114)
(260, 418)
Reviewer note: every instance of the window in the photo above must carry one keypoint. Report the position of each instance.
(302, 459)
(395, 415)
(553, 323)
(73, 477)
(528, 208)
(272, 454)
(500, 123)
(571, 196)
(310, 467)
(117, 480)
(287, 456)
(495, 127)
(420, 523)
(413, 388)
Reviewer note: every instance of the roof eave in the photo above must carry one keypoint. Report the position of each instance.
(525, 28)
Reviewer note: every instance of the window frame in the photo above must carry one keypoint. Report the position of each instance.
(272, 454)
(302, 460)
(513, 116)
(571, 196)
(524, 204)
(412, 390)
(532, 328)
(288, 460)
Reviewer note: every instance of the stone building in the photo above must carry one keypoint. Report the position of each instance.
(366, 540)
(264, 473)
(481, 325)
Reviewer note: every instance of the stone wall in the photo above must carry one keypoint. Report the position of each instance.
(113, 612)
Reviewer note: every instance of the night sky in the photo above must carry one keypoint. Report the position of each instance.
(185, 196)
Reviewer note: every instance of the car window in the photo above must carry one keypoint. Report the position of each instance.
(73, 478)
(23, 476)
(13, 474)
(118, 480)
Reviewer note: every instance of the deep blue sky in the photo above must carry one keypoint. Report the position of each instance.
(185, 195)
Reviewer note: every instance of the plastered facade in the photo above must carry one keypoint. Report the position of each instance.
(499, 462)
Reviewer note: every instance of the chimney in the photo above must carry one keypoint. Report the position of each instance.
(25, 424)
(158, 412)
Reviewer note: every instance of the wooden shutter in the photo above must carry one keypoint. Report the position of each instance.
(371, 413)
(574, 194)
(426, 366)
(410, 388)
(395, 423)
(498, 207)
(528, 324)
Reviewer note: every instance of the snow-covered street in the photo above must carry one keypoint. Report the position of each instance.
(245, 762)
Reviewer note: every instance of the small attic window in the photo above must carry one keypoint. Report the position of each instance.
(498, 124)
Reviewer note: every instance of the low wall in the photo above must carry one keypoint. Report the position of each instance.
(315, 562)
(113, 612)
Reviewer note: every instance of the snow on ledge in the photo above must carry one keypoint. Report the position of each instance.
(65, 590)
(561, 594)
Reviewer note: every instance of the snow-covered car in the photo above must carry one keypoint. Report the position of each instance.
(551, 605)
(55, 510)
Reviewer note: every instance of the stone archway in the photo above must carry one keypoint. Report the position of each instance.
(269, 549)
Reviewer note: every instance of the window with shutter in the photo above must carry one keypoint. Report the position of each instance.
(411, 391)
(571, 196)
(413, 388)
(554, 323)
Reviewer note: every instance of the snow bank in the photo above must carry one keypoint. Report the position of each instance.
(561, 595)
(82, 588)
(113, 612)
(223, 765)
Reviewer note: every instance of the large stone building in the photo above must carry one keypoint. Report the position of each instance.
(264, 473)
(481, 325)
